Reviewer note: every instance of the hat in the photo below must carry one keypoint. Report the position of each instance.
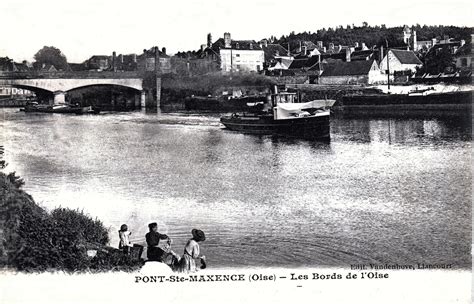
(198, 235)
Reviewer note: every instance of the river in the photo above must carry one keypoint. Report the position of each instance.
(383, 190)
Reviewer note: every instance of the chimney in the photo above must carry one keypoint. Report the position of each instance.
(227, 40)
(348, 55)
(114, 61)
(157, 59)
(433, 42)
(163, 50)
(415, 42)
(364, 47)
(203, 47)
(305, 50)
(356, 44)
(320, 44)
(209, 40)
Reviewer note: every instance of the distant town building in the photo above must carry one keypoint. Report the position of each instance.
(98, 63)
(8, 65)
(229, 55)
(400, 60)
(352, 72)
(463, 57)
(274, 53)
(146, 61)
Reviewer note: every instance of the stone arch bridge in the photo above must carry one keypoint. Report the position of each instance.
(60, 83)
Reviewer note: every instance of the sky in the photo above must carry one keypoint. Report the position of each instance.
(99, 27)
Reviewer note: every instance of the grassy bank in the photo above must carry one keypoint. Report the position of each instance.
(32, 239)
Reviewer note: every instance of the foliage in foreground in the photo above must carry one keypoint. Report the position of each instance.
(32, 239)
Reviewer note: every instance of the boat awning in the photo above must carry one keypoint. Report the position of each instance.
(292, 110)
(314, 104)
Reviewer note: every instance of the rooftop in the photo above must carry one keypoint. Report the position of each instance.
(406, 57)
(351, 68)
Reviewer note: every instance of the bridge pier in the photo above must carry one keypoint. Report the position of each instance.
(143, 99)
(158, 92)
(59, 97)
(137, 101)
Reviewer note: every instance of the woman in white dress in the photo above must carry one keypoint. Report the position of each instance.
(187, 262)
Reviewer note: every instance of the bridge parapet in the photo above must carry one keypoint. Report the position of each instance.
(71, 75)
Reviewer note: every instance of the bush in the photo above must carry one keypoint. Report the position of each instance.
(74, 227)
(35, 240)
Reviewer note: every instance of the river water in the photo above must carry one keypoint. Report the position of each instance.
(381, 191)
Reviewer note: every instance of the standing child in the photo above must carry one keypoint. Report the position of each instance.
(124, 235)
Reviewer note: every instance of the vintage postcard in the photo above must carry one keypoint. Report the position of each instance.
(235, 151)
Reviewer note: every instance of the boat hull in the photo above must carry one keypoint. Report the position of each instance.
(314, 127)
(61, 109)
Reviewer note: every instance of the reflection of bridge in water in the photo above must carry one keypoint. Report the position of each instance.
(133, 89)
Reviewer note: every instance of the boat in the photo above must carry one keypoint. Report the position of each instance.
(283, 113)
(60, 108)
(420, 92)
(220, 103)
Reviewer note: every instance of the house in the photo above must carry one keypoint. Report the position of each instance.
(400, 61)
(280, 64)
(234, 55)
(305, 66)
(352, 72)
(304, 48)
(146, 61)
(273, 52)
(47, 67)
(127, 62)
(8, 65)
(98, 63)
(463, 57)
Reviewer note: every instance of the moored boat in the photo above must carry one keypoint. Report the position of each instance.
(283, 113)
(61, 108)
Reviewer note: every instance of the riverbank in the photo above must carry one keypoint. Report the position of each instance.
(33, 239)
(220, 93)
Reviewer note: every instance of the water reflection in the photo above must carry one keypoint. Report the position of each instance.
(385, 189)
(402, 131)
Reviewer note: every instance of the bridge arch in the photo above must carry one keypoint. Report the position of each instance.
(103, 85)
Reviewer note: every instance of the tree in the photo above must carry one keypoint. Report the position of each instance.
(439, 61)
(53, 56)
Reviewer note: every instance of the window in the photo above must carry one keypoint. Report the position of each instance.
(463, 62)
(237, 55)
